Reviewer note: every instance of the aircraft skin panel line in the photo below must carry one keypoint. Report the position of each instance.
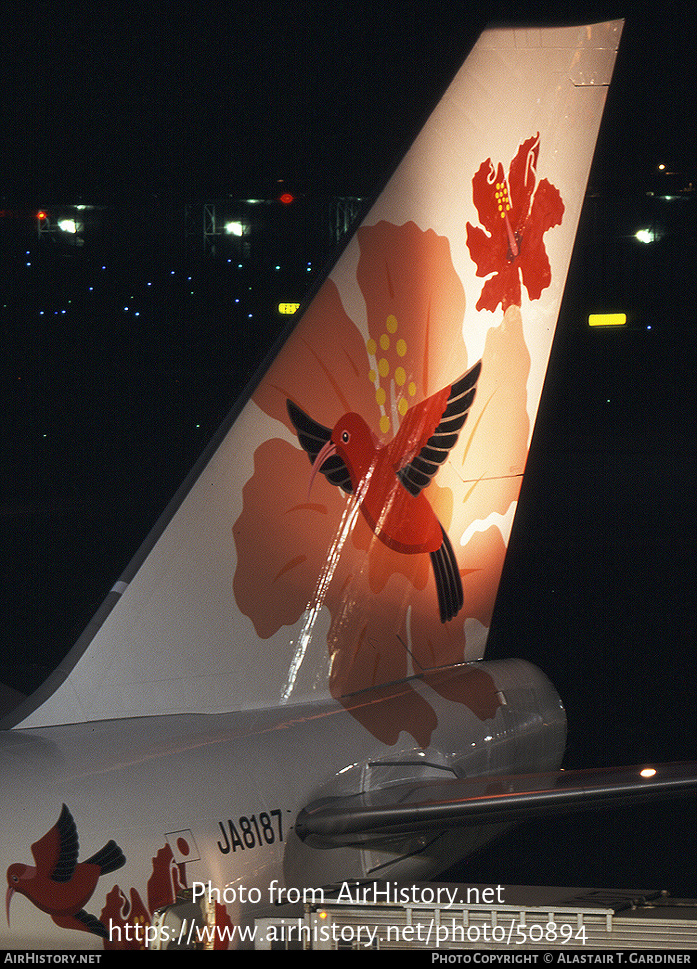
(287, 687)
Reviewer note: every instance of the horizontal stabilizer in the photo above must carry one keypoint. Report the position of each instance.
(407, 810)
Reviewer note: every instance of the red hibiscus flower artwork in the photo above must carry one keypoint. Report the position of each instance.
(515, 212)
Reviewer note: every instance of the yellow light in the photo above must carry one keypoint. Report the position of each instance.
(607, 319)
(288, 308)
(648, 772)
(322, 915)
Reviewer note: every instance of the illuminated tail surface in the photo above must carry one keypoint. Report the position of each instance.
(348, 529)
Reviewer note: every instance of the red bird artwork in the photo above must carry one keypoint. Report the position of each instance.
(388, 480)
(60, 885)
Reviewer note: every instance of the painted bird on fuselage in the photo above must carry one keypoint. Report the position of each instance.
(60, 885)
(388, 480)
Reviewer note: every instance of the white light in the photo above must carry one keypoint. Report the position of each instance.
(648, 772)
(68, 225)
(234, 228)
(645, 235)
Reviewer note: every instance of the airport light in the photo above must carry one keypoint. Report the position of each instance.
(607, 319)
(645, 236)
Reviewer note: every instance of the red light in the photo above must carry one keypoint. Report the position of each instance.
(286, 198)
(41, 215)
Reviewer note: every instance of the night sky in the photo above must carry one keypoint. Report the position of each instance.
(189, 100)
(124, 106)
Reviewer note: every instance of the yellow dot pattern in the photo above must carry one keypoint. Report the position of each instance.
(393, 390)
(503, 199)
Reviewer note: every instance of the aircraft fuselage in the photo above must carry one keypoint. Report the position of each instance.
(157, 787)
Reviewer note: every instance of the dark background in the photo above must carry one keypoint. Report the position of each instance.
(141, 111)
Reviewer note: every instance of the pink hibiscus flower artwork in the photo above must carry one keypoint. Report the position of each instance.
(303, 553)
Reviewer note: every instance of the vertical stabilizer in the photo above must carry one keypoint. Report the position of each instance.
(349, 528)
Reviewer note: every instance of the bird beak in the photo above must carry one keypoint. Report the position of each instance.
(327, 451)
(10, 893)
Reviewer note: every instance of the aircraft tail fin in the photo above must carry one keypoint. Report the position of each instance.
(405, 396)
